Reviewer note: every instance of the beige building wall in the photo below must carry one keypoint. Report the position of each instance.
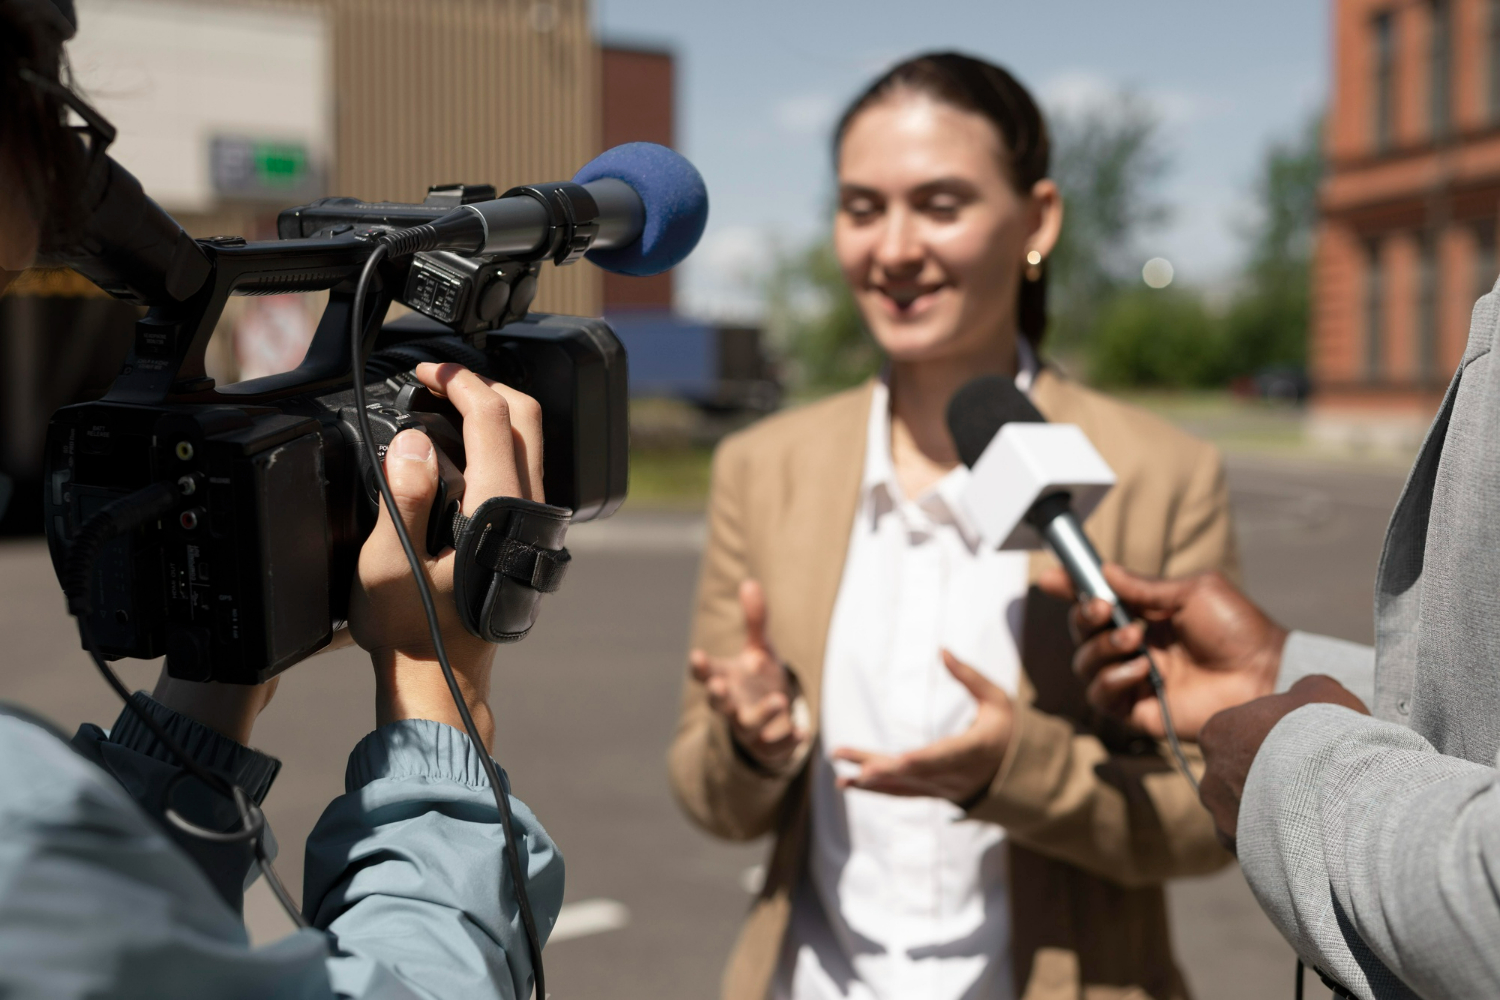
(391, 96)
(482, 91)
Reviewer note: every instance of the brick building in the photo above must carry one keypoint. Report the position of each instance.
(637, 94)
(1408, 210)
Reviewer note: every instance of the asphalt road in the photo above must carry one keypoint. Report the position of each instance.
(587, 704)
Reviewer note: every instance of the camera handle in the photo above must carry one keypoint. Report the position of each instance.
(166, 360)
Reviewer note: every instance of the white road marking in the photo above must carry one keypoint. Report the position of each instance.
(589, 916)
(625, 533)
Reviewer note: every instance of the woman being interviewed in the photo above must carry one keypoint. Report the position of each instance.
(865, 675)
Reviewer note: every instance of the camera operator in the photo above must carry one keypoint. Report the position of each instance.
(406, 886)
(1371, 840)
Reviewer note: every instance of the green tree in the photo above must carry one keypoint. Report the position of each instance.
(1108, 162)
(813, 319)
(1267, 323)
(1156, 337)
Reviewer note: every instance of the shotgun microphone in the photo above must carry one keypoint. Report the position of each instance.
(635, 209)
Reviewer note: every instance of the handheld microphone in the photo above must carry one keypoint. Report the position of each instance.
(638, 209)
(1031, 479)
(1027, 477)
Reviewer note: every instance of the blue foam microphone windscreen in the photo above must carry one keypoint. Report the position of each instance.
(674, 197)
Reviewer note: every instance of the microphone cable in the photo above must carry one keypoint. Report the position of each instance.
(1158, 685)
(424, 589)
(1120, 618)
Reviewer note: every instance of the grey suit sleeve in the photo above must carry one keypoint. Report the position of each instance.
(1374, 855)
(1349, 663)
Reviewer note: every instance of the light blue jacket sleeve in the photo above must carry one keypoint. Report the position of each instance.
(406, 881)
(407, 871)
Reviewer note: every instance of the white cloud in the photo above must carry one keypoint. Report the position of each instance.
(1075, 92)
(806, 114)
(725, 277)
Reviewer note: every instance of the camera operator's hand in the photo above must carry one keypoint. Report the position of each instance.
(956, 768)
(754, 691)
(1214, 647)
(1232, 738)
(502, 431)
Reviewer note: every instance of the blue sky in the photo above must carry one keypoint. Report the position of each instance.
(760, 84)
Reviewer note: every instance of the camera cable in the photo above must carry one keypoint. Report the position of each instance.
(424, 589)
(120, 517)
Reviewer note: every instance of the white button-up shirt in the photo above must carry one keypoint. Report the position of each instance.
(906, 899)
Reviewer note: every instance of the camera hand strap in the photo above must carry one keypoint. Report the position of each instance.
(508, 554)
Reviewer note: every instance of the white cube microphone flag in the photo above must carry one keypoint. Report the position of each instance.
(1031, 481)
(1022, 464)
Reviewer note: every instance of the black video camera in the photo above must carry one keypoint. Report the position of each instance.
(250, 570)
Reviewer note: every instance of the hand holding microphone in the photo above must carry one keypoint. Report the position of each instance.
(1214, 648)
(1219, 656)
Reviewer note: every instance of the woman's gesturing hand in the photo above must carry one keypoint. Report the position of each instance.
(753, 690)
(957, 768)
(502, 432)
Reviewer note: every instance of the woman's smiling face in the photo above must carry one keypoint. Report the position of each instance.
(931, 234)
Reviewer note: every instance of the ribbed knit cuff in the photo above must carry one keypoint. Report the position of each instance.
(416, 748)
(251, 770)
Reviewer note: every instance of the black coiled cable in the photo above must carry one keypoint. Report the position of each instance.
(424, 591)
(404, 242)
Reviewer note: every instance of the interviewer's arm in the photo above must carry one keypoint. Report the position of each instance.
(1375, 855)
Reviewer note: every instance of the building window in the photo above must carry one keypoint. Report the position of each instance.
(1493, 68)
(1485, 264)
(1428, 299)
(1440, 65)
(1374, 312)
(1384, 29)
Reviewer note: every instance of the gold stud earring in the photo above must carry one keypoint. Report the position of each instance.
(1033, 265)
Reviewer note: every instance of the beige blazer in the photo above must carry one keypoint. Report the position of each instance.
(1096, 817)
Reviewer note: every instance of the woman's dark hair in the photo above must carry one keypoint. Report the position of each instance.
(35, 142)
(982, 87)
